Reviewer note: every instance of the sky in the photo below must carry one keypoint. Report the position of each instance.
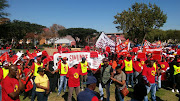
(95, 14)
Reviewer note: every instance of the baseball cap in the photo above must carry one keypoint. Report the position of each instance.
(91, 80)
(64, 58)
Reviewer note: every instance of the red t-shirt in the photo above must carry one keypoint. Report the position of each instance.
(149, 73)
(138, 66)
(1, 75)
(164, 65)
(73, 75)
(26, 70)
(9, 85)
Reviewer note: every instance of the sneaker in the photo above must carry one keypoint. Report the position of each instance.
(177, 91)
(129, 86)
(173, 90)
(58, 94)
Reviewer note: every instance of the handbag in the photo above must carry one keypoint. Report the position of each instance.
(124, 91)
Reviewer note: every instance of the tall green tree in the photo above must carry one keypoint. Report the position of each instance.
(81, 35)
(18, 29)
(3, 5)
(139, 20)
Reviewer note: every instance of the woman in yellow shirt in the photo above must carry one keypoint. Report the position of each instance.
(42, 85)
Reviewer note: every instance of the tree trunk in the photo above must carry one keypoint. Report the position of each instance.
(143, 39)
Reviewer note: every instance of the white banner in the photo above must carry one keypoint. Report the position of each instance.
(104, 41)
(152, 50)
(77, 56)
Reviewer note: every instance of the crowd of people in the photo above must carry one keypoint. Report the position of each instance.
(37, 77)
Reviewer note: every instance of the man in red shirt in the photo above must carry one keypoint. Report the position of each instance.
(149, 73)
(164, 66)
(73, 80)
(12, 85)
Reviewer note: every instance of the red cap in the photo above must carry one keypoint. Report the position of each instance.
(64, 58)
(128, 55)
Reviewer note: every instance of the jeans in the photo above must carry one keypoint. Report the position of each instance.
(107, 87)
(41, 96)
(118, 95)
(0, 93)
(70, 92)
(152, 88)
(136, 74)
(63, 80)
(33, 90)
(127, 79)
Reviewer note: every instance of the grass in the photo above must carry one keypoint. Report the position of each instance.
(161, 95)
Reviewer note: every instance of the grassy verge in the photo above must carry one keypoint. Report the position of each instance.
(161, 95)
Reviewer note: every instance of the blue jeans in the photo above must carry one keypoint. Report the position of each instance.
(0, 93)
(118, 95)
(107, 87)
(152, 88)
(33, 96)
(63, 80)
(41, 96)
(127, 79)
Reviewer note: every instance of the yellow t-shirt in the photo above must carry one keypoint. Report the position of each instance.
(43, 80)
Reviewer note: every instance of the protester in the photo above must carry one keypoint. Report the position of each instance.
(42, 85)
(63, 68)
(120, 83)
(176, 72)
(35, 67)
(83, 66)
(164, 68)
(129, 66)
(89, 94)
(73, 80)
(5, 68)
(12, 85)
(106, 73)
(1, 78)
(52, 77)
(149, 73)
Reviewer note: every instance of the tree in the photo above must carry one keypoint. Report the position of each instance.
(53, 32)
(81, 35)
(3, 5)
(18, 29)
(139, 20)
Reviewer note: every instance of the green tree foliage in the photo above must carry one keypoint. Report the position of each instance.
(139, 20)
(18, 29)
(3, 5)
(79, 34)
